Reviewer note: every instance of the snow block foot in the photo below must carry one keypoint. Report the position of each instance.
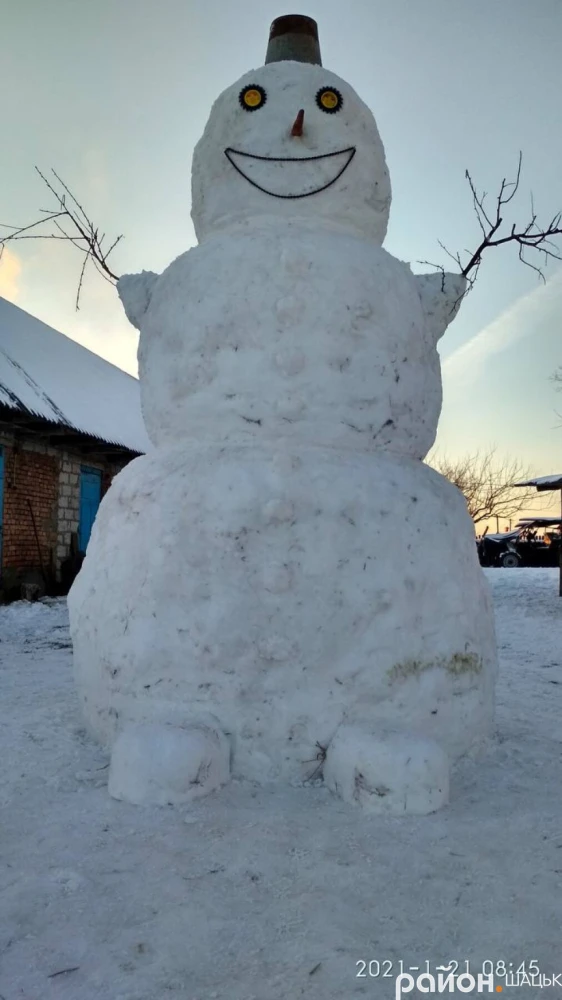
(392, 774)
(157, 764)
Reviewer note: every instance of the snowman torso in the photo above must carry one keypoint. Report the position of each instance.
(289, 330)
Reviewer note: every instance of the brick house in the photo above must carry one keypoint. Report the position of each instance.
(69, 421)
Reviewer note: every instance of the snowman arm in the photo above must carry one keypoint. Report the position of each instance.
(135, 292)
(441, 295)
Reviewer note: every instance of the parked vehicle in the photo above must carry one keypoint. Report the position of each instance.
(534, 542)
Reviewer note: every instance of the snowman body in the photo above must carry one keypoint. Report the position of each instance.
(281, 589)
(293, 332)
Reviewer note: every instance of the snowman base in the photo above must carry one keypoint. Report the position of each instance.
(387, 773)
(306, 605)
(156, 764)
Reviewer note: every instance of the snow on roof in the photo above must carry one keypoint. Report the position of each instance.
(544, 482)
(526, 521)
(53, 377)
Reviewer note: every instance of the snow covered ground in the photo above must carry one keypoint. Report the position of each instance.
(253, 895)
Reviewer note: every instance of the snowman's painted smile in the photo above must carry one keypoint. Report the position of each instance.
(278, 168)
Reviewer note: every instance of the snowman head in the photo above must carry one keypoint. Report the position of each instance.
(293, 140)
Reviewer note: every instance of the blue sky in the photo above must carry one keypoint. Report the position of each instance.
(115, 93)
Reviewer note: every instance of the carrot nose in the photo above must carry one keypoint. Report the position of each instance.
(299, 124)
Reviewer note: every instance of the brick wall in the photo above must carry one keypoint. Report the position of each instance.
(49, 479)
(68, 506)
(30, 492)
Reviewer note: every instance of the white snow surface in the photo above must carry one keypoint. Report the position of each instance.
(359, 201)
(53, 377)
(255, 894)
(278, 595)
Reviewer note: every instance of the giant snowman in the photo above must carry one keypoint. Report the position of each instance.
(281, 590)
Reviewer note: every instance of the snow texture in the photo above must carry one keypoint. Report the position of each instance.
(149, 761)
(47, 374)
(309, 336)
(243, 894)
(283, 561)
(359, 201)
(135, 291)
(218, 593)
(390, 774)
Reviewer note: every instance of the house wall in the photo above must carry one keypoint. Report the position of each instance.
(69, 496)
(47, 479)
(29, 516)
(68, 504)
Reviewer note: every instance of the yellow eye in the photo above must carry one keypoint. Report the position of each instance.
(329, 100)
(252, 98)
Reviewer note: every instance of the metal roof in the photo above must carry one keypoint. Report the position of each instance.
(544, 482)
(543, 521)
(44, 373)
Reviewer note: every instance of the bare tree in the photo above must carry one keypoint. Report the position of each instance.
(487, 484)
(73, 225)
(529, 236)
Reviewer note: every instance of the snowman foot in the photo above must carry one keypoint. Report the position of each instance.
(389, 773)
(157, 764)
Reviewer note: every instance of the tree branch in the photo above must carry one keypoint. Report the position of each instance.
(83, 234)
(529, 237)
(487, 484)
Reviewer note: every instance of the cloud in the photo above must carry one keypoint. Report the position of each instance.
(10, 270)
(522, 318)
